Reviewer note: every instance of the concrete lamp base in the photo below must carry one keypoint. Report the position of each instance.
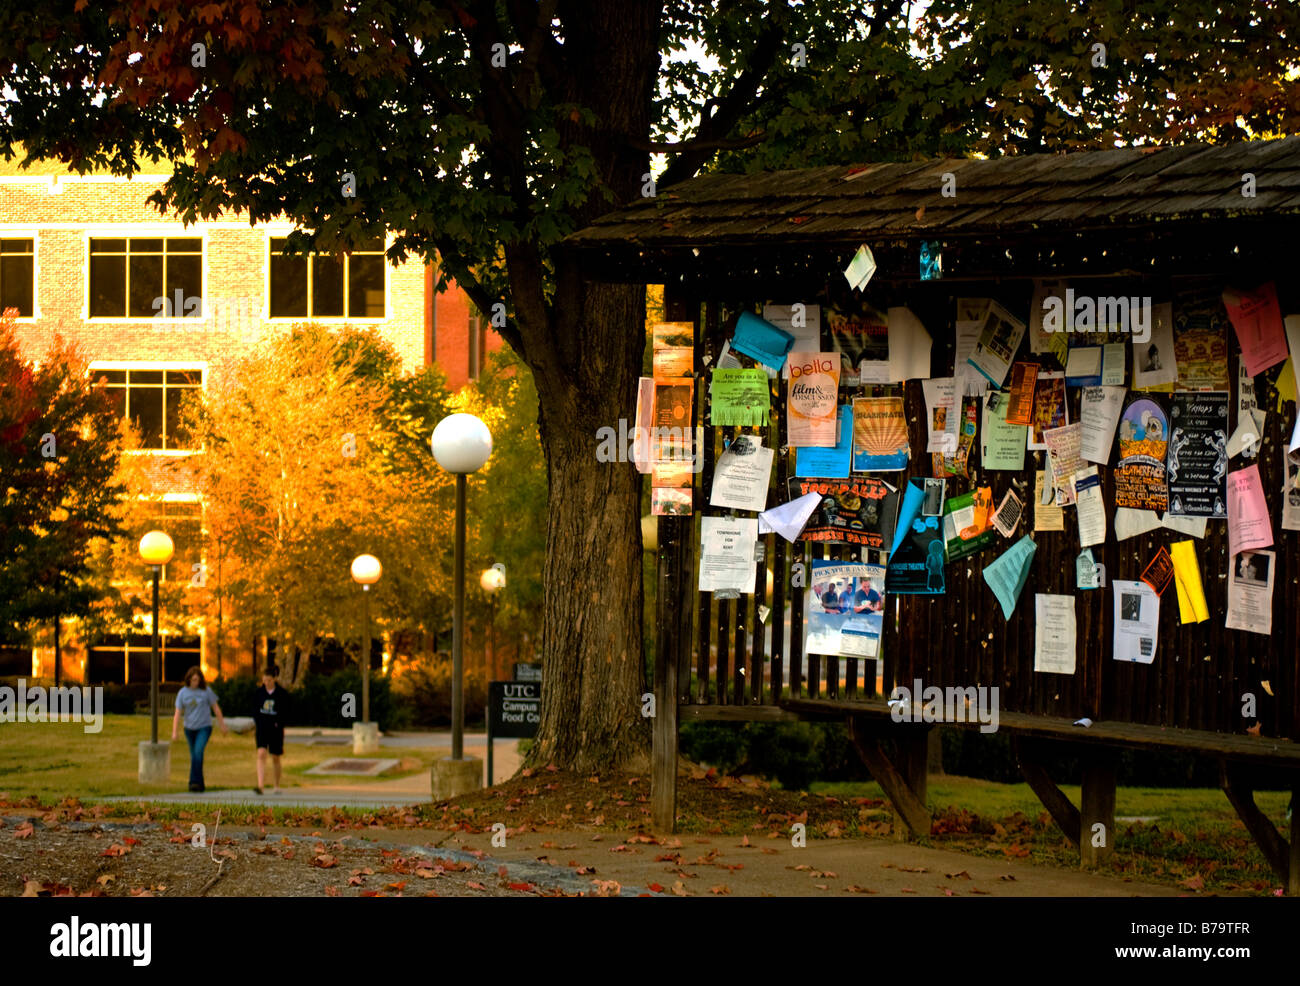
(452, 778)
(155, 762)
(365, 738)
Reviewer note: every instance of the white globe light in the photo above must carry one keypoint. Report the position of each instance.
(366, 569)
(492, 579)
(156, 548)
(461, 443)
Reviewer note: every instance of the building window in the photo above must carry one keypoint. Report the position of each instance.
(125, 659)
(152, 400)
(146, 277)
(18, 276)
(182, 520)
(349, 285)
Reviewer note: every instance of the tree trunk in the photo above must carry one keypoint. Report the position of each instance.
(58, 656)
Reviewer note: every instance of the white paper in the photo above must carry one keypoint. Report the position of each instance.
(807, 337)
(1193, 526)
(1007, 516)
(939, 395)
(860, 268)
(742, 475)
(1290, 494)
(727, 554)
(1112, 364)
(1098, 416)
(1292, 325)
(909, 346)
(1137, 621)
(789, 519)
(995, 349)
(1130, 523)
(1054, 633)
(1083, 361)
(1250, 592)
(970, 382)
(1249, 434)
(1091, 508)
(1154, 361)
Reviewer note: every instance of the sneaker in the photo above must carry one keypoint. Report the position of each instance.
(257, 790)
(196, 788)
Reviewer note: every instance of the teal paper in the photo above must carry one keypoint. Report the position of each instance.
(828, 463)
(1007, 575)
(761, 340)
(911, 508)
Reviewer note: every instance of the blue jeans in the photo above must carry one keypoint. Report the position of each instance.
(197, 739)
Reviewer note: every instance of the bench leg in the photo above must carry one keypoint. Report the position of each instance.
(1097, 812)
(1293, 875)
(1281, 858)
(1031, 761)
(904, 784)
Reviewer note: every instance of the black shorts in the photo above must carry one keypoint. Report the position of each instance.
(271, 737)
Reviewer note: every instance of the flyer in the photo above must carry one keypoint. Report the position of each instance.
(1023, 378)
(1250, 592)
(671, 419)
(861, 511)
(761, 340)
(1008, 514)
(1155, 363)
(831, 462)
(738, 397)
(999, 338)
(1248, 523)
(1257, 320)
(843, 609)
(742, 475)
(1050, 409)
(1247, 438)
(1091, 507)
(1099, 414)
(939, 396)
(803, 322)
(909, 346)
(1137, 621)
(1192, 607)
(962, 535)
(879, 435)
(789, 519)
(641, 454)
(1160, 571)
(1087, 573)
(956, 464)
(1063, 453)
(1290, 492)
(1140, 482)
(1054, 633)
(674, 355)
(1047, 295)
(1197, 463)
(1007, 574)
(813, 392)
(1201, 342)
(1047, 516)
(1003, 443)
(727, 554)
(666, 502)
(916, 563)
(862, 338)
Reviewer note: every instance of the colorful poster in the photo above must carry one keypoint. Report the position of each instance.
(738, 397)
(999, 338)
(1257, 320)
(1140, 481)
(956, 464)
(862, 338)
(1197, 460)
(1192, 607)
(1248, 523)
(844, 609)
(814, 390)
(879, 435)
(831, 462)
(1159, 571)
(1050, 409)
(1201, 342)
(916, 564)
(761, 340)
(965, 533)
(1047, 515)
(1003, 442)
(1023, 378)
(674, 353)
(1250, 592)
(671, 437)
(1063, 455)
(861, 511)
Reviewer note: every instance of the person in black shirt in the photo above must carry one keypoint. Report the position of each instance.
(271, 708)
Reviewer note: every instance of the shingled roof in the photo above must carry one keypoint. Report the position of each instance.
(844, 206)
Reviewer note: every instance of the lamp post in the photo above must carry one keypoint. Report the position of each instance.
(156, 550)
(493, 580)
(461, 444)
(366, 571)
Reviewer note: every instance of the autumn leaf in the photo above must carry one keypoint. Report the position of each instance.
(679, 889)
(32, 888)
(959, 875)
(527, 887)
(24, 830)
(331, 891)
(722, 888)
(104, 879)
(656, 887)
(425, 872)
(476, 885)
(853, 888)
(325, 861)
(1193, 882)
(396, 886)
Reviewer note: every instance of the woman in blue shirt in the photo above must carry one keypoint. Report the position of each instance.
(196, 702)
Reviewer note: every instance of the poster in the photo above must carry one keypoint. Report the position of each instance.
(831, 462)
(1197, 462)
(1250, 592)
(1248, 523)
(942, 419)
(1007, 517)
(1050, 409)
(1159, 571)
(804, 322)
(862, 339)
(1099, 414)
(1023, 378)
(665, 502)
(1140, 482)
(1137, 621)
(1290, 492)
(1003, 443)
(861, 511)
(1090, 506)
(742, 475)
(1257, 320)
(966, 529)
(671, 419)
(813, 391)
(762, 341)
(1007, 574)
(1063, 453)
(1054, 633)
(1201, 342)
(674, 353)
(738, 397)
(727, 554)
(956, 464)
(1047, 516)
(879, 435)
(843, 609)
(999, 338)
(1192, 607)
(916, 564)
(1155, 363)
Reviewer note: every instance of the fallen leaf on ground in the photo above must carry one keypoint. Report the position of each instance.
(24, 830)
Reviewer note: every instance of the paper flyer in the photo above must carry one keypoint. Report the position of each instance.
(1159, 571)
(1257, 320)
(789, 519)
(803, 322)
(862, 338)
(761, 340)
(1290, 493)
(1023, 378)
(1250, 592)
(1155, 362)
(1201, 342)
(1112, 364)
(727, 554)
(1137, 621)
(1063, 452)
(1047, 293)
(645, 407)
(970, 382)
(999, 338)
(956, 464)
(909, 346)
(861, 511)
(674, 355)
(879, 435)
(1050, 408)
(1099, 411)
(834, 462)
(1003, 443)
(1007, 517)
(962, 535)
(1006, 575)
(1197, 462)
(1140, 482)
(666, 502)
(1091, 508)
(1054, 633)
(939, 395)
(742, 475)
(1087, 573)
(1248, 436)
(916, 561)
(813, 397)
(1083, 367)
(1047, 516)
(1248, 522)
(738, 397)
(844, 604)
(1192, 607)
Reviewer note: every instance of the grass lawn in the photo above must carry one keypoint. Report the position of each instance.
(55, 760)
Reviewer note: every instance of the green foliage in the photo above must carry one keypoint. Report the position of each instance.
(793, 753)
(319, 700)
(423, 690)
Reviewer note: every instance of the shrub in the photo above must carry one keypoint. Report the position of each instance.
(423, 688)
(319, 700)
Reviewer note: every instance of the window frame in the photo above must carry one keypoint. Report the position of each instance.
(277, 232)
(201, 366)
(33, 234)
(144, 231)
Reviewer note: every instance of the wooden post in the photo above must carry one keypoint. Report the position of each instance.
(663, 777)
(1097, 808)
(902, 787)
(1293, 874)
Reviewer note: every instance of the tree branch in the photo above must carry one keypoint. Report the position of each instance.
(697, 144)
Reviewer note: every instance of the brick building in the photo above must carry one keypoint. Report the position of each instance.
(160, 309)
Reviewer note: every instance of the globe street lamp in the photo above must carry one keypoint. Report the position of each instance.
(156, 550)
(493, 580)
(461, 443)
(366, 571)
